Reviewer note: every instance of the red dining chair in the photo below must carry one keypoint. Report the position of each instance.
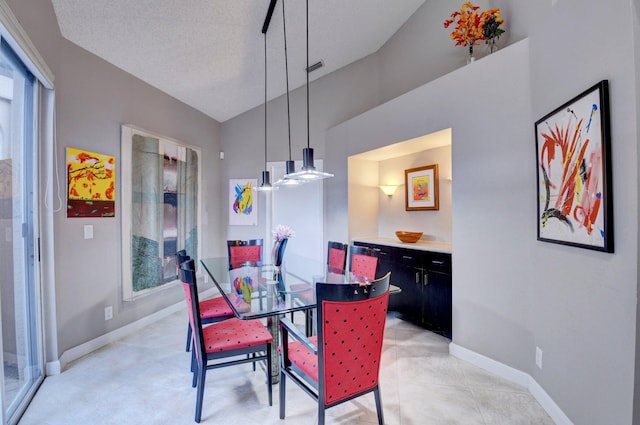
(363, 261)
(336, 262)
(337, 255)
(249, 251)
(212, 310)
(343, 362)
(227, 340)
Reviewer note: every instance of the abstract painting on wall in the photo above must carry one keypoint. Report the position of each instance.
(243, 208)
(574, 172)
(91, 180)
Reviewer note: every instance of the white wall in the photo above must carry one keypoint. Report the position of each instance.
(579, 293)
(333, 99)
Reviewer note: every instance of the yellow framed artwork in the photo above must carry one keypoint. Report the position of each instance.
(91, 182)
(421, 186)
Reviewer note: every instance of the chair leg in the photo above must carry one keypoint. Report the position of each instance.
(283, 380)
(269, 383)
(321, 410)
(376, 394)
(308, 322)
(188, 338)
(194, 367)
(202, 374)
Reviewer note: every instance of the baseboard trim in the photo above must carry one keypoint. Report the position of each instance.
(513, 375)
(56, 367)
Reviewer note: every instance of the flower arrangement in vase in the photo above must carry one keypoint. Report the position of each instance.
(281, 235)
(473, 26)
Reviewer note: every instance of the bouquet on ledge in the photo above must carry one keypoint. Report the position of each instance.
(473, 26)
(282, 232)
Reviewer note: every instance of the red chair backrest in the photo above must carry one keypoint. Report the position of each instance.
(363, 261)
(337, 256)
(352, 319)
(244, 251)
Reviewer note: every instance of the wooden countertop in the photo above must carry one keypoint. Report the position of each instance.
(421, 245)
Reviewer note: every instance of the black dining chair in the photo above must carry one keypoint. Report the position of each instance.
(244, 251)
(212, 310)
(363, 261)
(336, 262)
(229, 340)
(337, 255)
(343, 362)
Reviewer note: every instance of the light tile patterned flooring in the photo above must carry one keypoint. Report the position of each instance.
(145, 379)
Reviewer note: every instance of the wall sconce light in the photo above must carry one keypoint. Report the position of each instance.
(389, 189)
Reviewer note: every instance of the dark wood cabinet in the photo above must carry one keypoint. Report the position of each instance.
(425, 280)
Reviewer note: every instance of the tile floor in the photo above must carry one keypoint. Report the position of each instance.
(145, 379)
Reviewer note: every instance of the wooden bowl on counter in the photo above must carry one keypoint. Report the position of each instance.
(409, 237)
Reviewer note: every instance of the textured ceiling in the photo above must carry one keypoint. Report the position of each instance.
(210, 53)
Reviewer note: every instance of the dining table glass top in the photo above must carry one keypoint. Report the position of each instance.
(262, 290)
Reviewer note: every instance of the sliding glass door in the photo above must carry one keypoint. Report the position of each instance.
(21, 346)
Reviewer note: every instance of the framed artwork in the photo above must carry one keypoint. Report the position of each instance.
(573, 163)
(91, 180)
(421, 185)
(243, 206)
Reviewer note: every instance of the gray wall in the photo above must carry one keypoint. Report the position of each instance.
(93, 98)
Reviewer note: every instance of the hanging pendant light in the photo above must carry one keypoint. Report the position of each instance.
(290, 165)
(308, 172)
(265, 184)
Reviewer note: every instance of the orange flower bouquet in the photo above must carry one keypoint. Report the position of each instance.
(473, 26)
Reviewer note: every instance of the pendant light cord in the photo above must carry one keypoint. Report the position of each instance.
(286, 72)
(307, 70)
(265, 101)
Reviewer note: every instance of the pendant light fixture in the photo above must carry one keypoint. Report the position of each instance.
(308, 172)
(289, 164)
(265, 185)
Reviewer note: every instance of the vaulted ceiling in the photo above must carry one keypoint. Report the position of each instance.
(209, 54)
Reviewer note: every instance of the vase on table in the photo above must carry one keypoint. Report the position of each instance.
(278, 253)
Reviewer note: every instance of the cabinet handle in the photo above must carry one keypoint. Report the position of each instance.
(438, 262)
(376, 249)
(407, 257)
(381, 252)
(426, 279)
(417, 277)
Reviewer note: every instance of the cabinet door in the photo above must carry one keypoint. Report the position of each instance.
(408, 265)
(407, 302)
(437, 295)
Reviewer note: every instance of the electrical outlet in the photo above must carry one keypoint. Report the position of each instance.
(108, 313)
(539, 357)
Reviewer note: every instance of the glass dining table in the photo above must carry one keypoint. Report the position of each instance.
(264, 291)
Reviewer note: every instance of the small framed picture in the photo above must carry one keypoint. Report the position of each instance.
(243, 208)
(421, 185)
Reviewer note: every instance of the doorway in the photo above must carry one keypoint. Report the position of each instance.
(21, 349)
